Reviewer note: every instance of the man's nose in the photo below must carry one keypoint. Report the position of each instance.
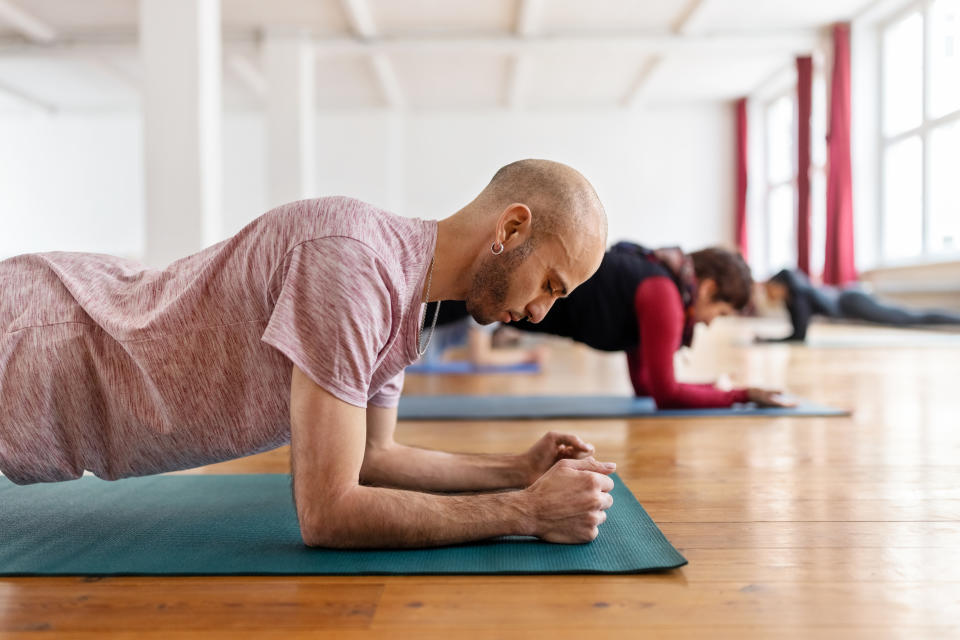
(538, 309)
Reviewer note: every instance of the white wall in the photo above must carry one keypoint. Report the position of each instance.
(244, 170)
(664, 176)
(71, 182)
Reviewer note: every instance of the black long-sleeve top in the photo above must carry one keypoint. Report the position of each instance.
(804, 300)
(631, 304)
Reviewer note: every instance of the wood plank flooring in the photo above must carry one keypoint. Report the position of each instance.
(794, 527)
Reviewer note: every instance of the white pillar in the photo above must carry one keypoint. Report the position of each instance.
(180, 51)
(289, 66)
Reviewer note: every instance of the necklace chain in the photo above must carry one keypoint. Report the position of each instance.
(436, 313)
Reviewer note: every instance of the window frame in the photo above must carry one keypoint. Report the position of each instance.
(770, 186)
(818, 170)
(923, 131)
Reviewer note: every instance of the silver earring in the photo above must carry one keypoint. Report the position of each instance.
(494, 250)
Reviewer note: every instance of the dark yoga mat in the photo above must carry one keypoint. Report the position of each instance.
(475, 407)
(464, 367)
(246, 525)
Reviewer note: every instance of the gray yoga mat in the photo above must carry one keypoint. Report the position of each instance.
(246, 525)
(483, 407)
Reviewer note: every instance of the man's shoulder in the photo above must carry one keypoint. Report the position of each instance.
(388, 234)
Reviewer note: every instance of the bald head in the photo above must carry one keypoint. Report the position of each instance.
(539, 231)
(561, 199)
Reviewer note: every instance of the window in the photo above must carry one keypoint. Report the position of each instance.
(780, 176)
(920, 133)
(781, 180)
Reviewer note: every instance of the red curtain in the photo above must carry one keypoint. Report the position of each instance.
(741, 168)
(838, 266)
(804, 105)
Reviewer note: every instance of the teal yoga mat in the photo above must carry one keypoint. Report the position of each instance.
(246, 525)
(476, 407)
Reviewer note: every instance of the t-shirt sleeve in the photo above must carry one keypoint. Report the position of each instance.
(333, 317)
(389, 394)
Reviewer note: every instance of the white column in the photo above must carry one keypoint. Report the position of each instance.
(289, 66)
(180, 50)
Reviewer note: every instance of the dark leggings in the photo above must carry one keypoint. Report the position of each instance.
(861, 306)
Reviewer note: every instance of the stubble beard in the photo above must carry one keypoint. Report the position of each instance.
(488, 293)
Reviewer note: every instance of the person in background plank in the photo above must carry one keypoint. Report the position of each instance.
(805, 300)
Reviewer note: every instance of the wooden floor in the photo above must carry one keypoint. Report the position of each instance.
(794, 527)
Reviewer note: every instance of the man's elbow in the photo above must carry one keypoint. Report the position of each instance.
(325, 522)
(312, 536)
(329, 533)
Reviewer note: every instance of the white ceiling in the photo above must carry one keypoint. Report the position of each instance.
(443, 54)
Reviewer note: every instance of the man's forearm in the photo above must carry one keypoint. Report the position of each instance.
(406, 467)
(370, 517)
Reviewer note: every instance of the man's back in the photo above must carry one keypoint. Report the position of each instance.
(125, 371)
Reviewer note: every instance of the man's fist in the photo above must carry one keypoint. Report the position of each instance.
(570, 501)
(549, 449)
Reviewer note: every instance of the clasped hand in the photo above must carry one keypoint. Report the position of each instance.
(569, 491)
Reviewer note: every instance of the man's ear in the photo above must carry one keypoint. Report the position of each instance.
(515, 224)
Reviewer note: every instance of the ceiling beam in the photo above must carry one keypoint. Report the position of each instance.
(360, 18)
(793, 41)
(389, 82)
(688, 24)
(528, 20)
(638, 90)
(691, 21)
(789, 41)
(29, 26)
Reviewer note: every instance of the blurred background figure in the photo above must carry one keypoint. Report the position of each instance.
(805, 300)
(458, 337)
(647, 304)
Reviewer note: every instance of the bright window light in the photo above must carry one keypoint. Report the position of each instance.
(921, 142)
(780, 140)
(944, 57)
(782, 228)
(903, 75)
(903, 199)
(943, 230)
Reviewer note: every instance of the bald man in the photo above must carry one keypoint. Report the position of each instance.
(297, 329)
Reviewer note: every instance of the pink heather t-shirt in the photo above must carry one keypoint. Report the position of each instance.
(123, 371)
